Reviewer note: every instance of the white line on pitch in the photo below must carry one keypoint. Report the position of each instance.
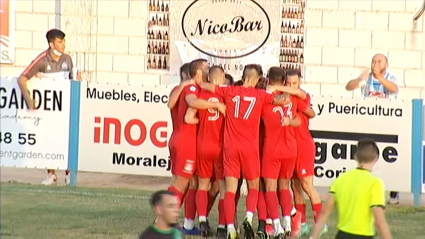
(78, 193)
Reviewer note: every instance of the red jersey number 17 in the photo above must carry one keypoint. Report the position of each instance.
(237, 100)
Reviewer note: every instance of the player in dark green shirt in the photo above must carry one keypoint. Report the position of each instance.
(166, 208)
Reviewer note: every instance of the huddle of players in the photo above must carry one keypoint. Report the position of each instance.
(256, 129)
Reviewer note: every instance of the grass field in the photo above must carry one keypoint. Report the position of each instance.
(40, 212)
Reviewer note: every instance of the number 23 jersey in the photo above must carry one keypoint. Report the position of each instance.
(243, 112)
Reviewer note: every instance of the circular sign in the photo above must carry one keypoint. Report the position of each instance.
(226, 29)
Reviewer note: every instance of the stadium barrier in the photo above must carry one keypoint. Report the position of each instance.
(124, 129)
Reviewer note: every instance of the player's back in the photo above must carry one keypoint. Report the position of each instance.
(184, 130)
(302, 132)
(243, 112)
(279, 140)
(211, 122)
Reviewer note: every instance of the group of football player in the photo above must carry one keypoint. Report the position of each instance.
(256, 130)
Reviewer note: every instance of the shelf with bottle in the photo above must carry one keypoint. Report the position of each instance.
(291, 66)
(158, 48)
(160, 20)
(157, 6)
(291, 56)
(293, 12)
(294, 3)
(158, 35)
(289, 42)
(292, 27)
(157, 62)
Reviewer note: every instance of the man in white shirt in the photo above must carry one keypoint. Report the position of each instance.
(377, 83)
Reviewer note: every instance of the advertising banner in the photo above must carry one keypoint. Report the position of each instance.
(7, 31)
(124, 129)
(340, 123)
(38, 138)
(227, 33)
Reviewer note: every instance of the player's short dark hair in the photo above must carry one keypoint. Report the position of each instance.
(239, 82)
(216, 68)
(293, 73)
(54, 34)
(195, 65)
(157, 197)
(184, 69)
(262, 83)
(257, 68)
(230, 78)
(367, 151)
(276, 75)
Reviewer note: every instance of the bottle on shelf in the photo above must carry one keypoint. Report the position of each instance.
(159, 62)
(166, 8)
(153, 66)
(149, 62)
(302, 42)
(297, 29)
(148, 50)
(167, 50)
(166, 35)
(281, 55)
(160, 48)
(155, 49)
(163, 49)
(150, 5)
(164, 63)
(162, 6)
(158, 8)
(294, 44)
(302, 58)
(159, 36)
(160, 21)
(302, 27)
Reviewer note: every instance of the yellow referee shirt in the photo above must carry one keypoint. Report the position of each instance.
(355, 193)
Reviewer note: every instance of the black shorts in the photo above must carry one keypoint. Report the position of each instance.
(344, 235)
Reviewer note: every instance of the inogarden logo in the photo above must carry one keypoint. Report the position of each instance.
(226, 29)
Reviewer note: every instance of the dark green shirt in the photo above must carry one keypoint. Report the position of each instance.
(154, 233)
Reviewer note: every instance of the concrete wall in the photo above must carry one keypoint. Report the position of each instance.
(107, 39)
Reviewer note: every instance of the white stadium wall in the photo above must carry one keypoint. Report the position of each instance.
(108, 41)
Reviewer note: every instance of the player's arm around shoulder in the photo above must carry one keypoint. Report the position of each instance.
(175, 93)
(190, 116)
(193, 101)
(295, 92)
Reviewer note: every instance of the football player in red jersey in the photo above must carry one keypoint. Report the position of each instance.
(173, 100)
(185, 139)
(241, 152)
(280, 150)
(209, 151)
(304, 167)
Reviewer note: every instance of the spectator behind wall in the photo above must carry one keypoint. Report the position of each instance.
(377, 83)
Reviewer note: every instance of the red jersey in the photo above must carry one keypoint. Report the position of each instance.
(243, 112)
(280, 141)
(302, 132)
(211, 122)
(185, 131)
(174, 111)
(261, 137)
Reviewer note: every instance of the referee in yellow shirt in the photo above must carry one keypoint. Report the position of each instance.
(359, 197)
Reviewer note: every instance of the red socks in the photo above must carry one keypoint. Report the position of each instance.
(272, 205)
(190, 201)
(229, 207)
(285, 199)
(251, 200)
(262, 207)
(211, 201)
(176, 192)
(301, 208)
(202, 202)
(221, 213)
(316, 210)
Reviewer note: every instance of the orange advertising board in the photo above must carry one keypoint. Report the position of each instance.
(7, 31)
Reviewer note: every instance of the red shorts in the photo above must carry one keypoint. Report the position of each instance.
(209, 163)
(304, 165)
(275, 168)
(184, 162)
(246, 161)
